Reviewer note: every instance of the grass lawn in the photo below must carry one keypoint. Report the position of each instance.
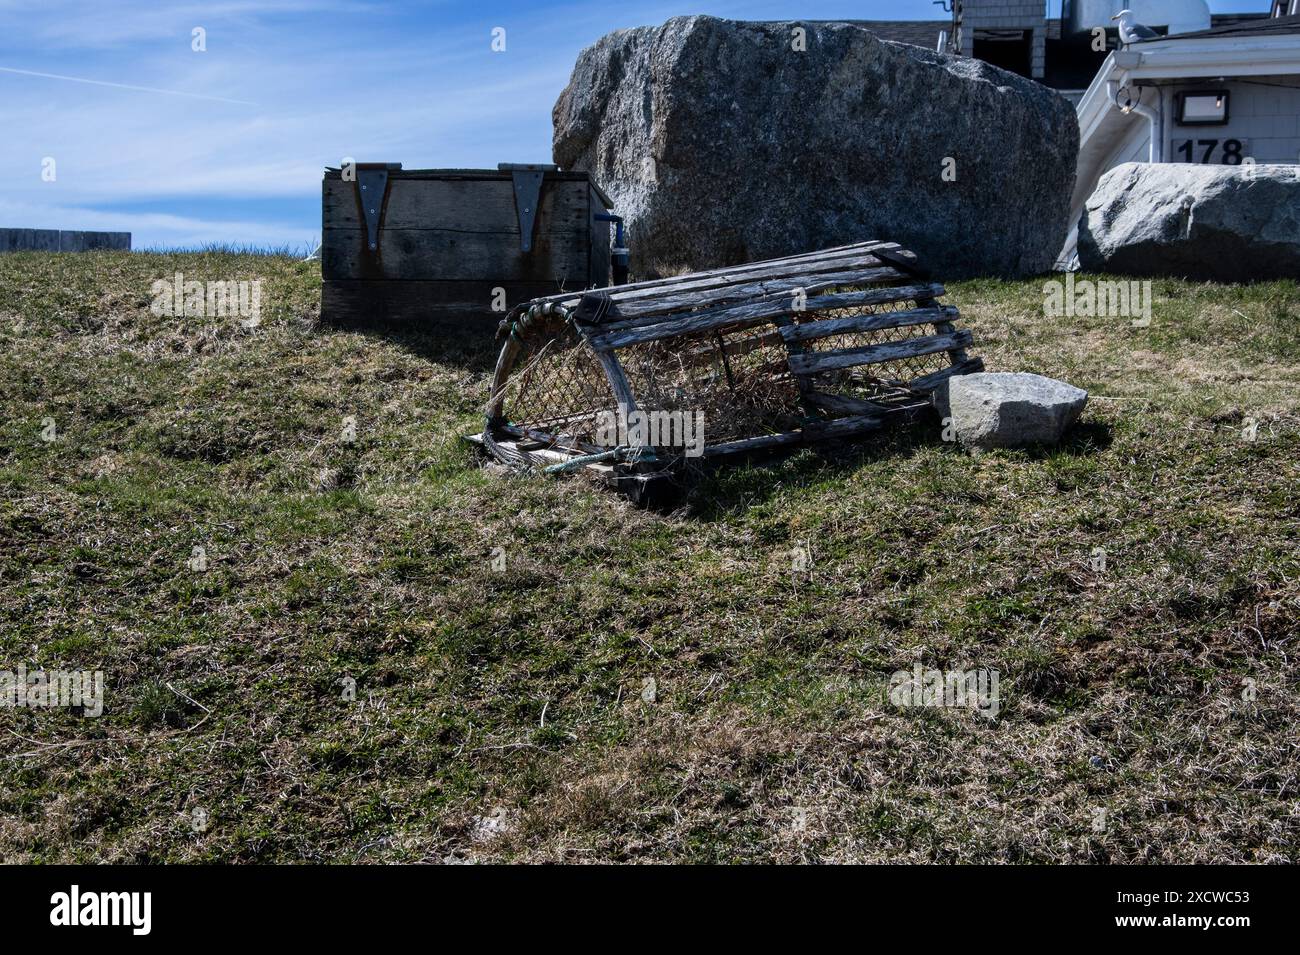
(1148, 708)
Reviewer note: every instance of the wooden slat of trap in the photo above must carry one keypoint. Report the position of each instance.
(621, 296)
(843, 404)
(751, 313)
(730, 272)
(879, 321)
(634, 314)
(931, 381)
(814, 362)
(623, 304)
(820, 431)
(689, 292)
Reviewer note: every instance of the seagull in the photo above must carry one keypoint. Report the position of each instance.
(1132, 32)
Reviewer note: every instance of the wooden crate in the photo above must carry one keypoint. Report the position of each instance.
(455, 244)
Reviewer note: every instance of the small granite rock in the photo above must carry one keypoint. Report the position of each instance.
(1007, 410)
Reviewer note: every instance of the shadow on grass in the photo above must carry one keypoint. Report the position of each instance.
(1083, 439)
(725, 489)
(470, 344)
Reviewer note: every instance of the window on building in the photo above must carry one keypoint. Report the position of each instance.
(1208, 108)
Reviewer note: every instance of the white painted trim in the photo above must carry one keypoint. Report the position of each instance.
(1208, 56)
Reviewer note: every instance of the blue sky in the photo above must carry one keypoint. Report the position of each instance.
(228, 145)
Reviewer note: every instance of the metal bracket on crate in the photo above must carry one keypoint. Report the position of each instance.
(527, 179)
(372, 187)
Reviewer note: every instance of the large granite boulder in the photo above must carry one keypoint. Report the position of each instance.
(1220, 223)
(720, 142)
(1008, 409)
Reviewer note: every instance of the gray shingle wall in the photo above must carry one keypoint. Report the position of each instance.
(1263, 115)
(54, 240)
(1004, 11)
(1004, 14)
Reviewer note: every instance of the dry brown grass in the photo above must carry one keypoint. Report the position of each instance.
(498, 716)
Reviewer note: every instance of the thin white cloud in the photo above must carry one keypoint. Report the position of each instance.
(124, 86)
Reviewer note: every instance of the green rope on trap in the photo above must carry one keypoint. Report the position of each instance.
(622, 455)
(545, 309)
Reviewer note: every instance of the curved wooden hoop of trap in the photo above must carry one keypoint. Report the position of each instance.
(833, 316)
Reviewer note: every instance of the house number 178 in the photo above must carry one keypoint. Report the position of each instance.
(1229, 150)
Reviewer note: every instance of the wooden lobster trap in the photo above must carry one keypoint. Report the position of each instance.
(765, 355)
